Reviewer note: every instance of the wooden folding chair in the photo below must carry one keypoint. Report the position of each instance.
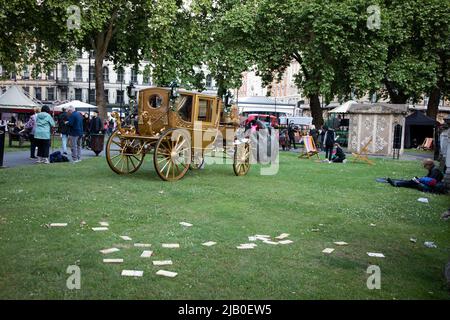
(427, 144)
(362, 155)
(309, 149)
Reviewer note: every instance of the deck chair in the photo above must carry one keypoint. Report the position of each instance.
(309, 149)
(362, 154)
(427, 144)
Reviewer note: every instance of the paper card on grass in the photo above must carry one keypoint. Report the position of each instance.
(166, 273)
(162, 262)
(282, 236)
(58, 224)
(104, 224)
(126, 238)
(142, 245)
(132, 273)
(246, 246)
(270, 242)
(262, 236)
(209, 243)
(285, 241)
(170, 245)
(146, 254)
(112, 260)
(252, 238)
(110, 250)
(186, 224)
(100, 228)
(376, 255)
(341, 243)
(423, 200)
(328, 250)
(373, 225)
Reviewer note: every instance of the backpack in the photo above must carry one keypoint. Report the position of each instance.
(57, 156)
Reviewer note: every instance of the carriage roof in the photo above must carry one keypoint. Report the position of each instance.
(181, 91)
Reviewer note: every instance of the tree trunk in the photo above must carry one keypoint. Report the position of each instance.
(100, 87)
(396, 96)
(316, 110)
(433, 103)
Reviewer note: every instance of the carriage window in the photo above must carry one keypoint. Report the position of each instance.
(155, 101)
(184, 107)
(205, 110)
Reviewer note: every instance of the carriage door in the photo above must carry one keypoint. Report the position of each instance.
(205, 117)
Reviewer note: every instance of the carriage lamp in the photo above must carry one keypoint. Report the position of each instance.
(131, 90)
(174, 90)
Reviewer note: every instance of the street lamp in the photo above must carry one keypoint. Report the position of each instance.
(131, 92)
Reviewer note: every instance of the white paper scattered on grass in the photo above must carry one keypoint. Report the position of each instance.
(146, 254)
(252, 238)
(209, 243)
(170, 245)
(246, 246)
(162, 262)
(262, 236)
(328, 250)
(315, 230)
(132, 273)
(104, 224)
(341, 243)
(373, 225)
(166, 273)
(142, 245)
(186, 224)
(282, 236)
(285, 242)
(270, 242)
(58, 224)
(100, 228)
(423, 200)
(112, 260)
(429, 244)
(110, 250)
(126, 238)
(376, 255)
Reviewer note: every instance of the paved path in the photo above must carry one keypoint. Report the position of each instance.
(22, 158)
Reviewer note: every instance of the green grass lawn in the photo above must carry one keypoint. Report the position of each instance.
(56, 143)
(341, 200)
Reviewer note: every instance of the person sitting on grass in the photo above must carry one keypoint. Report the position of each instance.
(339, 156)
(430, 182)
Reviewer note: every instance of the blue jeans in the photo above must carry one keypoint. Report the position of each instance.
(64, 138)
(76, 147)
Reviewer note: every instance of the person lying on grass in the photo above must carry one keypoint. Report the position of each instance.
(431, 182)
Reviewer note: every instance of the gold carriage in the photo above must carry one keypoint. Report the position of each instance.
(178, 127)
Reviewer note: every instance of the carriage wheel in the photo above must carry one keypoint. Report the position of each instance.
(241, 164)
(124, 155)
(197, 161)
(172, 155)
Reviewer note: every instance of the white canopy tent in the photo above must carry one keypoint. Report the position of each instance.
(343, 108)
(77, 104)
(14, 98)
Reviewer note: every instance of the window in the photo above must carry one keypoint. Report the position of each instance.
(106, 93)
(92, 96)
(120, 75)
(80, 54)
(146, 80)
(51, 75)
(205, 110)
(184, 107)
(26, 90)
(134, 75)
(208, 81)
(50, 93)
(26, 73)
(119, 99)
(64, 72)
(79, 73)
(105, 74)
(155, 101)
(78, 94)
(38, 93)
(91, 73)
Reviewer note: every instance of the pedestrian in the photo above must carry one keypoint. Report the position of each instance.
(106, 126)
(291, 134)
(85, 124)
(339, 156)
(314, 134)
(63, 129)
(75, 123)
(95, 125)
(110, 126)
(328, 142)
(30, 126)
(42, 134)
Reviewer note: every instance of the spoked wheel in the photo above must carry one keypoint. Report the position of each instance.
(172, 155)
(197, 161)
(124, 155)
(241, 165)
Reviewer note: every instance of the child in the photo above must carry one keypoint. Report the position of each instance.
(339, 155)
